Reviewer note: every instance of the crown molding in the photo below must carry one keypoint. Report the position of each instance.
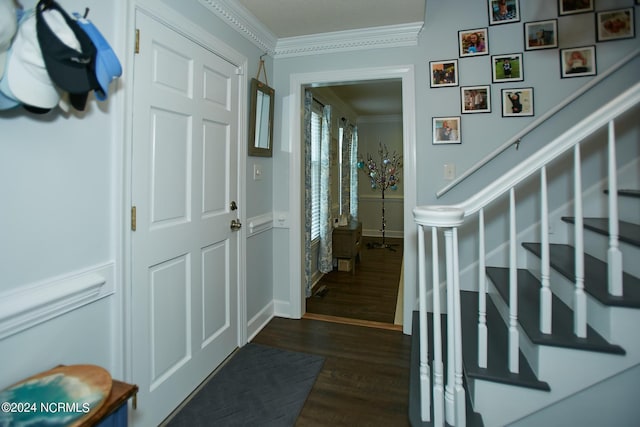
(244, 22)
(341, 41)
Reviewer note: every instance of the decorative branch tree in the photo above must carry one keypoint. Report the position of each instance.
(384, 175)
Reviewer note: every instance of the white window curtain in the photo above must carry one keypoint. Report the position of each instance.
(325, 256)
(353, 163)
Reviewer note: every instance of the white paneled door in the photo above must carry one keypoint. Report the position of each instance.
(184, 266)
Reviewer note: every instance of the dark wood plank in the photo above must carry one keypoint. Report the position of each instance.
(371, 293)
(365, 377)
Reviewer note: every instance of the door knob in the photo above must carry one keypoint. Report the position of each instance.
(235, 225)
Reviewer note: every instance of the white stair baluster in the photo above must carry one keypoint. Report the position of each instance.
(514, 338)
(545, 290)
(482, 295)
(580, 300)
(450, 412)
(461, 418)
(438, 367)
(614, 256)
(425, 385)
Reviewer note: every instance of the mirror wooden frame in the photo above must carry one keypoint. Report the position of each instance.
(256, 148)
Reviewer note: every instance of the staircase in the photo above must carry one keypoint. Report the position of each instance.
(550, 336)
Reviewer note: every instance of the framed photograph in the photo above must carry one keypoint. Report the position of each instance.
(541, 34)
(503, 11)
(475, 99)
(578, 61)
(507, 68)
(473, 42)
(444, 73)
(517, 102)
(615, 24)
(570, 7)
(446, 130)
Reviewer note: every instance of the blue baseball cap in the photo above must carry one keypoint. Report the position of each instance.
(107, 65)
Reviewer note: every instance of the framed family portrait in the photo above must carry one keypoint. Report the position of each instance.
(473, 42)
(517, 102)
(578, 61)
(444, 73)
(541, 34)
(446, 130)
(507, 68)
(615, 24)
(569, 7)
(503, 11)
(475, 99)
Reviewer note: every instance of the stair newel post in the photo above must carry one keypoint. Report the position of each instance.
(482, 294)
(450, 408)
(514, 338)
(425, 386)
(461, 417)
(614, 256)
(438, 367)
(545, 290)
(580, 299)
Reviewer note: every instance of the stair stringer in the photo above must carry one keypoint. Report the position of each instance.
(568, 372)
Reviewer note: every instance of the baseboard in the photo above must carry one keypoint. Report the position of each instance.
(259, 321)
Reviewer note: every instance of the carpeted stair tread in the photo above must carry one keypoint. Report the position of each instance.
(562, 316)
(628, 232)
(562, 259)
(497, 356)
(474, 419)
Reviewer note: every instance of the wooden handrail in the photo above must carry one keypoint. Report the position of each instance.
(516, 139)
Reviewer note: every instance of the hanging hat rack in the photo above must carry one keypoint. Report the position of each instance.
(262, 68)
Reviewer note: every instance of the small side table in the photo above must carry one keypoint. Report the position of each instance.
(346, 243)
(114, 413)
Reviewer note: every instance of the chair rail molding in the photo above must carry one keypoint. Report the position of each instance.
(31, 305)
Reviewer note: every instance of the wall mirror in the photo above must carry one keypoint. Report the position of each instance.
(261, 120)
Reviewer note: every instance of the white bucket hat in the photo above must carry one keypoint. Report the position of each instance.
(26, 71)
(8, 27)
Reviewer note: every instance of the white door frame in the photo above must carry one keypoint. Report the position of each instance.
(174, 20)
(297, 83)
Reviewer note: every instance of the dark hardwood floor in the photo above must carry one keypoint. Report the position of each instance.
(370, 294)
(365, 377)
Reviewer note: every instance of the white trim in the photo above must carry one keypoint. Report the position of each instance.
(259, 321)
(244, 22)
(34, 304)
(387, 36)
(297, 83)
(259, 224)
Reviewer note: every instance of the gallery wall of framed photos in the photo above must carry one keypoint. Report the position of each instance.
(509, 69)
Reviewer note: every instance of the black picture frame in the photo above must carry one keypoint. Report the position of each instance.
(443, 73)
(446, 130)
(541, 34)
(475, 99)
(507, 68)
(572, 7)
(474, 42)
(517, 102)
(615, 24)
(503, 11)
(578, 61)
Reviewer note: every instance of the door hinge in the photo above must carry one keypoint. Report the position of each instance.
(133, 218)
(137, 44)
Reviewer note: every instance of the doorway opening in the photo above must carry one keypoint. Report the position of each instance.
(364, 283)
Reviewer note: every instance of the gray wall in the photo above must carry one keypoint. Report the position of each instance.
(481, 133)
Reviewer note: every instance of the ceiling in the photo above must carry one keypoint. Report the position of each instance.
(294, 18)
